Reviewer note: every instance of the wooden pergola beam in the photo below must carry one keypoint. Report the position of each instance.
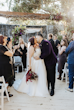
(8, 14)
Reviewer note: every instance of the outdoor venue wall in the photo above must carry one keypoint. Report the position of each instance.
(6, 29)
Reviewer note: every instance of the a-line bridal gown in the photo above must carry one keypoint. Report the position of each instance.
(36, 87)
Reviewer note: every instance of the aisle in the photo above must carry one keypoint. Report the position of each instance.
(62, 100)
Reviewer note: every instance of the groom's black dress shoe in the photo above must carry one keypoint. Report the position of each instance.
(52, 93)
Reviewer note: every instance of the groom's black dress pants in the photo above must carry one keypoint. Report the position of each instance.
(51, 76)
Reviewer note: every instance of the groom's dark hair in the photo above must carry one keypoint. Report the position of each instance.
(40, 35)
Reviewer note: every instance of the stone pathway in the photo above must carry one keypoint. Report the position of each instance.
(62, 100)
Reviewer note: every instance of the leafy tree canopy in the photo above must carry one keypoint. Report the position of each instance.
(51, 6)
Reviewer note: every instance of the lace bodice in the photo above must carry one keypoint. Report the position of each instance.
(37, 52)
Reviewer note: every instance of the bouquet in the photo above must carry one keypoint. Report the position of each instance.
(31, 75)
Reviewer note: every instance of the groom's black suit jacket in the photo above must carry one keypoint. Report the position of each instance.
(47, 53)
(50, 60)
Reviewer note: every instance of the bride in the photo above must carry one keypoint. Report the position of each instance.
(36, 87)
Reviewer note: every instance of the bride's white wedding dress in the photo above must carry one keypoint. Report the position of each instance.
(36, 87)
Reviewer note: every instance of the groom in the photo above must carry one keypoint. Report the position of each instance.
(50, 60)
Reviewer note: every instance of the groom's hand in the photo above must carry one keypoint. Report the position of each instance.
(37, 58)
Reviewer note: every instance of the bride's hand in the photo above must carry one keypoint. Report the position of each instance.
(36, 58)
(29, 67)
(36, 45)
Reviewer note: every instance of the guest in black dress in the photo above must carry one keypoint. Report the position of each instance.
(62, 57)
(5, 66)
(23, 49)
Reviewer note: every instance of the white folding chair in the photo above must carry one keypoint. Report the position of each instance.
(65, 72)
(2, 99)
(5, 85)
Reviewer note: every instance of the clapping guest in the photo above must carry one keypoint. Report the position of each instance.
(9, 46)
(62, 57)
(17, 51)
(5, 66)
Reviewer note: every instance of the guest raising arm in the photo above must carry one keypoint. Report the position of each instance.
(23, 50)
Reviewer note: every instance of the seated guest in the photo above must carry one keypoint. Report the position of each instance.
(70, 52)
(5, 66)
(56, 42)
(23, 49)
(51, 40)
(62, 57)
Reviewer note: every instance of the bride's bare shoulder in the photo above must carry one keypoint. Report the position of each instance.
(31, 50)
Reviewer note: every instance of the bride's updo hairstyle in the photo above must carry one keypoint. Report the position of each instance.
(31, 40)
